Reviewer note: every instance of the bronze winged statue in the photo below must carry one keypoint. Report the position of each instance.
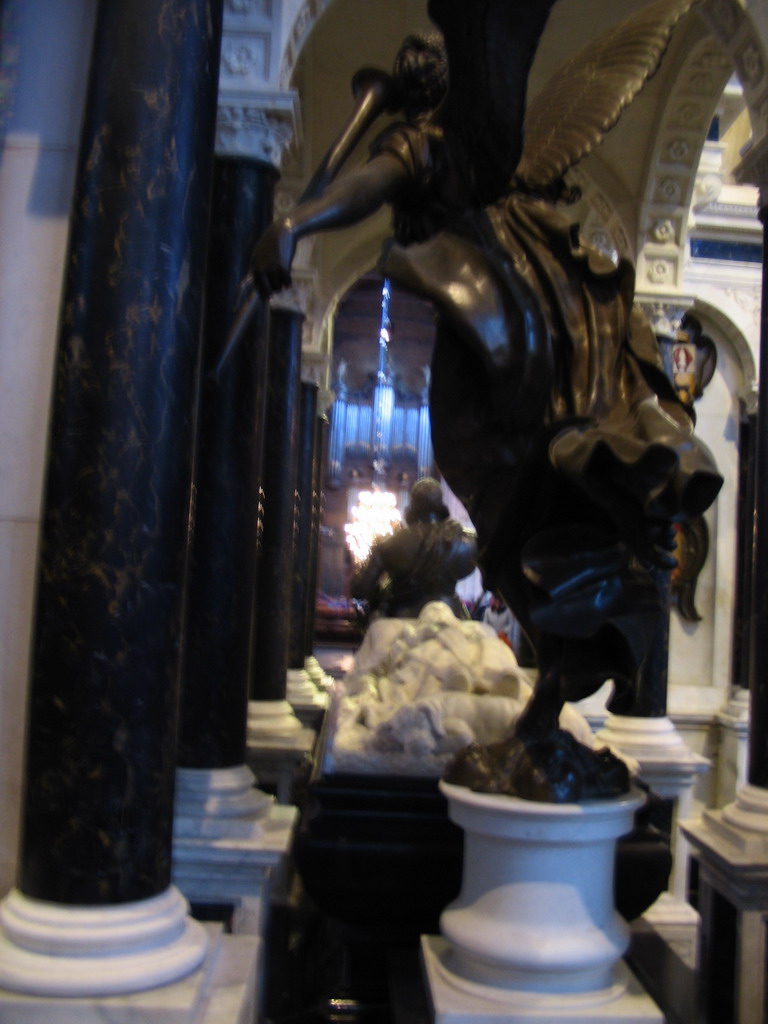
(552, 419)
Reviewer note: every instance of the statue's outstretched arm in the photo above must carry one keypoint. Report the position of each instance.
(345, 202)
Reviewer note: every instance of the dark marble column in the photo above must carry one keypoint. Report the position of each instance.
(758, 664)
(302, 555)
(321, 447)
(273, 590)
(742, 618)
(222, 574)
(98, 803)
(649, 700)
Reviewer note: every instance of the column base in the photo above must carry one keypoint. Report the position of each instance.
(277, 757)
(666, 763)
(237, 870)
(219, 802)
(668, 766)
(221, 991)
(320, 678)
(456, 1000)
(733, 750)
(309, 703)
(732, 849)
(299, 688)
(50, 949)
(678, 924)
(738, 834)
(271, 719)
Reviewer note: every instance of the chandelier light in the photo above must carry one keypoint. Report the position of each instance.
(375, 515)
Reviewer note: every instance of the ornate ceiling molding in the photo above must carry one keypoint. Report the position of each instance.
(732, 24)
(257, 118)
(672, 183)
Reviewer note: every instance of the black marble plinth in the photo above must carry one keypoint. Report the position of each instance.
(302, 597)
(101, 754)
(276, 536)
(379, 852)
(221, 583)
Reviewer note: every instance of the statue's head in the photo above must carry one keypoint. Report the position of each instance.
(426, 503)
(421, 72)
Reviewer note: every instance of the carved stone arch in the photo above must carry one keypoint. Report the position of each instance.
(726, 333)
(671, 180)
(740, 34)
(600, 223)
(337, 277)
(306, 17)
(342, 285)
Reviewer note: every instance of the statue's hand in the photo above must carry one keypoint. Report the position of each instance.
(272, 258)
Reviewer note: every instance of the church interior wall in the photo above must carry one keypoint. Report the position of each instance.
(36, 176)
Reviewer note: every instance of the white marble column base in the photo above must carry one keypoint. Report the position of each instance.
(456, 1000)
(733, 750)
(236, 870)
(221, 991)
(739, 832)
(678, 924)
(320, 678)
(299, 685)
(668, 766)
(732, 849)
(665, 761)
(219, 802)
(268, 719)
(56, 950)
(301, 692)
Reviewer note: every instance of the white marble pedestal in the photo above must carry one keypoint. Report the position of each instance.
(458, 1001)
(221, 991)
(678, 924)
(278, 745)
(732, 849)
(230, 842)
(299, 687)
(669, 767)
(733, 750)
(534, 935)
(308, 702)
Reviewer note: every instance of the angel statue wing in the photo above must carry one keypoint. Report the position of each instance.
(585, 98)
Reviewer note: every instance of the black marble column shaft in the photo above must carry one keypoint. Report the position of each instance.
(273, 588)
(745, 534)
(302, 553)
(758, 673)
(222, 573)
(649, 700)
(321, 447)
(98, 802)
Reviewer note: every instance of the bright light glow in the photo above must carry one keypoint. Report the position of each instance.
(375, 515)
